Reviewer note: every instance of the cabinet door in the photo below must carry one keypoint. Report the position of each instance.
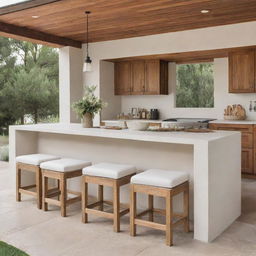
(241, 71)
(152, 77)
(123, 78)
(247, 161)
(138, 77)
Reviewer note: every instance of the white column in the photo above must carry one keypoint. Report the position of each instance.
(70, 82)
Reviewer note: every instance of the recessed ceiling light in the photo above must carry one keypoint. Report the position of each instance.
(205, 11)
(35, 16)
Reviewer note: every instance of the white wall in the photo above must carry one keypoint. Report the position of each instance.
(236, 35)
(71, 82)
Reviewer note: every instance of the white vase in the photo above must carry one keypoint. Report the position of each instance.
(87, 120)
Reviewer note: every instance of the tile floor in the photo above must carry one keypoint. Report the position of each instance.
(47, 234)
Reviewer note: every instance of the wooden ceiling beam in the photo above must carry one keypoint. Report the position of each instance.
(25, 32)
(24, 5)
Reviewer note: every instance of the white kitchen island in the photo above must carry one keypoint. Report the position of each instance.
(213, 161)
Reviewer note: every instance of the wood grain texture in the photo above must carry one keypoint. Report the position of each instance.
(247, 152)
(242, 71)
(118, 19)
(141, 77)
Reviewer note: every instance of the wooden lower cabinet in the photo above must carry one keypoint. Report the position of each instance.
(248, 149)
(247, 161)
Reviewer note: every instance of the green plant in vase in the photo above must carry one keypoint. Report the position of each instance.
(88, 106)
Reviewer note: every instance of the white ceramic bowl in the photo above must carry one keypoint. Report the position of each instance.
(137, 125)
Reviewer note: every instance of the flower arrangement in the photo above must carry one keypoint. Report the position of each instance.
(88, 106)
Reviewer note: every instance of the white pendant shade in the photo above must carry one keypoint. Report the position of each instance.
(87, 67)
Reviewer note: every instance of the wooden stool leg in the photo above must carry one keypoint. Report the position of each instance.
(151, 207)
(63, 195)
(116, 206)
(45, 191)
(133, 211)
(84, 188)
(169, 231)
(100, 196)
(58, 186)
(18, 183)
(39, 188)
(186, 209)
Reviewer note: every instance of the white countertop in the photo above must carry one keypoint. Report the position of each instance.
(152, 136)
(233, 122)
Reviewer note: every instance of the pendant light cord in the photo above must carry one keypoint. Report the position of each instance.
(87, 32)
(87, 27)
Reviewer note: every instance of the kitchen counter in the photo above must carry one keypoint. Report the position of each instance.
(152, 136)
(233, 122)
(212, 161)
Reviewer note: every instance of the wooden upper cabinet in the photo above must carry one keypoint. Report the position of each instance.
(138, 77)
(242, 71)
(156, 77)
(123, 83)
(147, 77)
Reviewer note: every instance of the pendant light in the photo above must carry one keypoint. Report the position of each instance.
(88, 62)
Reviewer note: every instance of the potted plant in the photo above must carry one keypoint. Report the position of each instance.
(88, 106)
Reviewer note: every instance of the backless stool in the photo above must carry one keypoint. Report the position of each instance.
(165, 184)
(61, 170)
(31, 163)
(106, 174)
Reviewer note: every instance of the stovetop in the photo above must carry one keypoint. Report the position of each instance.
(189, 120)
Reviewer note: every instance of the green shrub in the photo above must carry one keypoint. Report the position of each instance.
(4, 153)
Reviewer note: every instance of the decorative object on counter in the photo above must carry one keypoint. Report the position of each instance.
(154, 114)
(234, 112)
(250, 107)
(144, 114)
(135, 113)
(137, 125)
(88, 106)
(122, 116)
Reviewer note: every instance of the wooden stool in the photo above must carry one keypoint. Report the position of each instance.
(161, 183)
(30, 163)
(61, 170)
(106, 174)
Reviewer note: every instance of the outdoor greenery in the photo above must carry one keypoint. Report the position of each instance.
(8, 250)
(28, 83)
(89, 103)
(195, 86)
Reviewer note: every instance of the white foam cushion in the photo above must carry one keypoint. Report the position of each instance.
(160, 178)
(109, 170)
(35, 159)
(65, 165)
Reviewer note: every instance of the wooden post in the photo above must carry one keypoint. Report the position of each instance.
(84, 188)
(100, 196)
(151, 207)
(18, 183)
(116, 206)
(45, 190)
(63, 195)
(39, 187)
(169, 235)
(132, 211)
(186, 208)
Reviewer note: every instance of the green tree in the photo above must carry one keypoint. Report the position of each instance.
(32, 93)
(195, 87)
(28, 81)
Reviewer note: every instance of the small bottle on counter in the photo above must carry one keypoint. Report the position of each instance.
(250, 107)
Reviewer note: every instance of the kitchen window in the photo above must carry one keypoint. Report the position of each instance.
(194, 85)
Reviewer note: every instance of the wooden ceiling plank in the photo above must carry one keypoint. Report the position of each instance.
(24, 5)
(37, 35)
(117, 19)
